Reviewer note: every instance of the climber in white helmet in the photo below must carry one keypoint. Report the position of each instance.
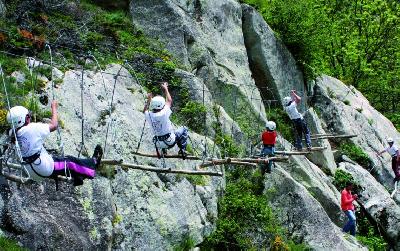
(268, 138)
(39, 163)
(290, 106)
(393, 150)
(158, 111)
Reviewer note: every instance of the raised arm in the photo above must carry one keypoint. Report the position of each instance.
(380, 153)
(146, 105)
(296, 98)
(168, 98)
(54, 116)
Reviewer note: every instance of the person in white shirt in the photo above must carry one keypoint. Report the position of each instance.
(290, 106)
(157, 111)
(393, 150)
(39, 163)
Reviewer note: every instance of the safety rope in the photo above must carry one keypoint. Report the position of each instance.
(82, 144)
(204, 154)
(59, 137)
(144, 123)
(34, 83)
(18, 149)
(60, 142)
(110, 109)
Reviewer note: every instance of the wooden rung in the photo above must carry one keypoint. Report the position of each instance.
(334, 136)
(313, 149)
(262, 159)
(159, 170)
(12, 177)
(322, 134)
(216, 163)
(173, 156)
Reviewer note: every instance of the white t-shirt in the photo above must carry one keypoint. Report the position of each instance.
(30, 139)
(292, 111)
(392, 150)
(160, 121)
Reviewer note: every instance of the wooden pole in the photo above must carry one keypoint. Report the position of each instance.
(262, 160)
(12, 177)
(334, 136)
(166, 156)
(313, 149)
(162, 170)
(227, 161)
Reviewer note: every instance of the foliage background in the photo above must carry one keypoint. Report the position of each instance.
(353, 40)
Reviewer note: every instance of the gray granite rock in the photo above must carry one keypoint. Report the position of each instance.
(273, 67)
(303, 216)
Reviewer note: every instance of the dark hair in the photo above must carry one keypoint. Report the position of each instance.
(349, 183)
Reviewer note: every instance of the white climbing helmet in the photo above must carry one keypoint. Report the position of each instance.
(286, 100)
(17, 116)
(390, 140)
(270, 125)
(157, 103)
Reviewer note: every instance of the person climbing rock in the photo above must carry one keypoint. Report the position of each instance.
(290, 106)
(39, 163)
(158, 111)
(268, 138)
(348, 208)
(393, 150)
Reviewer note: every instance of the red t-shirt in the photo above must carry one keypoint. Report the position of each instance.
(347, 200)
(268, 137)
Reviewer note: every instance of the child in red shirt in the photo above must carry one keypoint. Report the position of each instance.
(268, 138)
(347, 206)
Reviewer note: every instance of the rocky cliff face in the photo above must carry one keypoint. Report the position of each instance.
(132, 210)
(207, 37)
(232, 61)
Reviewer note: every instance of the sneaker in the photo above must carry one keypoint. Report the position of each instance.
(308, 148)
(182, 153)
(164, 151)
(98, 155)
(262, 169)
(78, 181)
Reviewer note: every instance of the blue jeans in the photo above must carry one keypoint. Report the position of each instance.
(301, 128)
(351, 223)
(267, 151)
(181, 135)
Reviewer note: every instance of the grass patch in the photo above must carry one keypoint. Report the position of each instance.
(187, 243)
(242, 211)
(355, 153)
(10, 245)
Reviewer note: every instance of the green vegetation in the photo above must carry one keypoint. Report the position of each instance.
(227, 145)
(9, 245)
(186, 244)
(370, 235)
(354, 41)
(244, 211)
(341, 178)
(284, 124)
(355, 153)
(192, 114)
